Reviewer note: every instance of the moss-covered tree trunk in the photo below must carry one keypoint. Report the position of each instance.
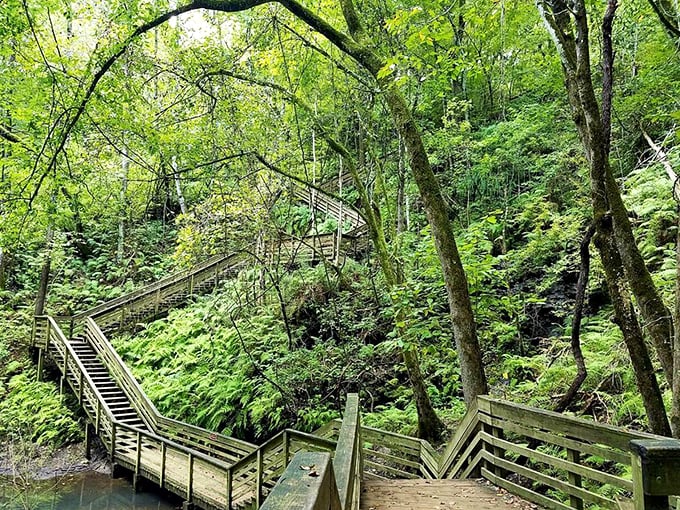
(358, 46)
(568, 28)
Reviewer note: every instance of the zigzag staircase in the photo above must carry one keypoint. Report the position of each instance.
(555, 461)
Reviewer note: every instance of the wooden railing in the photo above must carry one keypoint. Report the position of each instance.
(149, 300)
(225, 448)
(199, 472)
(308, 483)
(339, 483)
(556, 461)
(341, 212)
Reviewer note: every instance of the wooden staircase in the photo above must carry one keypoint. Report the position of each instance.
(114, 398)
(544, 457)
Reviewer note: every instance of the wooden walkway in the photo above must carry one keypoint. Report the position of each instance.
(354, 467)
(437, 495)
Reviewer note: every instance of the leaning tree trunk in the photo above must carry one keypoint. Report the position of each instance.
(41, 297)
(464, 328)
(357, 46)
(574, 51)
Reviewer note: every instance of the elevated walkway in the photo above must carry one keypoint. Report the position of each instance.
(554, 461)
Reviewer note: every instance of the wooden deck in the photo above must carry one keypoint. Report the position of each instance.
(437, 494)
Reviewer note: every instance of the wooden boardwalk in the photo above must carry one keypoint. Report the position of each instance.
(437, 495)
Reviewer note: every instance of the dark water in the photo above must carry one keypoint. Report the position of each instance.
(84, 491)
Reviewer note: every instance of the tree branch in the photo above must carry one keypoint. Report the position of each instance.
(607, 72)
(665, 21)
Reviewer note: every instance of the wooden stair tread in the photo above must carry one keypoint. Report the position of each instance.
(419, 494)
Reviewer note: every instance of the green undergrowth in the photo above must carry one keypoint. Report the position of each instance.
(34, 411)
(229, 363)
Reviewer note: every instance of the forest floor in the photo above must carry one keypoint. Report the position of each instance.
(44, 463)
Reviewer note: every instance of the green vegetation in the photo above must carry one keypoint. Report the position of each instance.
(190, 146)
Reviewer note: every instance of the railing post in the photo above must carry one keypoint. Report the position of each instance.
(97, 418)
(575, 479)
(656, 472)
(80, 387)
(64, 368)
(229, 483)
(285, 447)
(138, 459)
(258, 489)
(113, 442)
(190, 478)
(161, 478)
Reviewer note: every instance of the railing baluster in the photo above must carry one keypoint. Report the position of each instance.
(97, 416)
(190, 478)
(138, 460)
(258, 489)
(286, 438)
(80, 387)
(113, 441)
(161, 480)
(230, 477)
(574, 478)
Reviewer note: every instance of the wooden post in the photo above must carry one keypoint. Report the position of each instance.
(285, 448)
(656, 472)
(64, 368)
(161, 480)
(41, 361)
(258, 489)
(574, 478)
(138, 459)
(311, 489)
(97, 418)
(88, 441)
(113, 441)
(229, 482)
(80, 387)
(190, 478)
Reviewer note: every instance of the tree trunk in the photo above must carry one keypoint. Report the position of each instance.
(362, 50)
(178, 186)
(41, 297)
(614, 234)
(3, 265)
(581, 286)
(464, 328)
(675, 406)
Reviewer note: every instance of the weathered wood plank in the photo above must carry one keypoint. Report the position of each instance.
(523, 492)
(306, 489)
(550, 481)
(549, 437)
(592, 432)
(580, 469)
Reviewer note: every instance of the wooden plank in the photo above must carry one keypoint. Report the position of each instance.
(593, 432)
(347, 451)
(384, 468)
(464, 457)
(555, 483)
(465, 431)
(549, 437)
(523, 492)
(391, 458)
(472, 464)
(580, 469)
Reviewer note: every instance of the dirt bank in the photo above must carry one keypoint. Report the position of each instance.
(40, 463)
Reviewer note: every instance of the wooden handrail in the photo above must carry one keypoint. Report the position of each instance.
(168, 281)
(121, 373)
(230, 448)
(308, 483)
(347, 462)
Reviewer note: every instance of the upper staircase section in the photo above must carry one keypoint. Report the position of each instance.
(342, 213)
(153, 300)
